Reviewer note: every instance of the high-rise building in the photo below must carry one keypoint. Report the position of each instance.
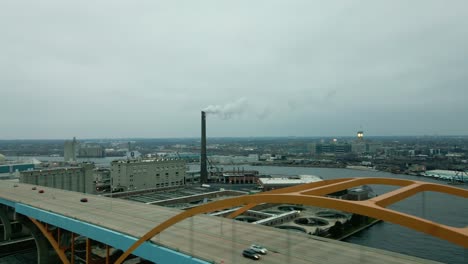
(360, 135)
(331, 148)
(70, 150)
(374, 147)
(359, 146)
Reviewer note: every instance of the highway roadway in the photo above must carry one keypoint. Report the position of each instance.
(206, 237)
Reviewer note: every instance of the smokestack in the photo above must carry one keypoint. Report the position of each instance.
(203, 168)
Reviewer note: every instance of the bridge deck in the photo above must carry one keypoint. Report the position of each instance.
(206, 237)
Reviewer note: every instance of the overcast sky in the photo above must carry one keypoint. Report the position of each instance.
(113, 69)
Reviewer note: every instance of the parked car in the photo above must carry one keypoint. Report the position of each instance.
(259, 249)
(41, 191)
(249, 253)
(84, 200)
(34, 188)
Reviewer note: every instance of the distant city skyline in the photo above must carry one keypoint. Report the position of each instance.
(197, 138)
(298, 68)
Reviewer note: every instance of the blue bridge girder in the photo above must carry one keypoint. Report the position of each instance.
(115, 239)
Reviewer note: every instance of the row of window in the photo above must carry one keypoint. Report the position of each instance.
(132, 180)
(169, 167)
(166, 184)
(140, 171)
(150, 168)
(169, 184)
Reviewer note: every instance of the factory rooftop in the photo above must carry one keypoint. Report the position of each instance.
(293, 180)
(143, 160)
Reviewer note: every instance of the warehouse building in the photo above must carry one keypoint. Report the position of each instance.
(78, 178)
(138, 174)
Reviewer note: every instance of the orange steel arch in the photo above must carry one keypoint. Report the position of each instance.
(314, 194)
(51, 239)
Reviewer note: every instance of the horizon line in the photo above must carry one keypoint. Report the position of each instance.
(226, 137)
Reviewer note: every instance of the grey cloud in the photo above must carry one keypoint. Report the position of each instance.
(146, 68)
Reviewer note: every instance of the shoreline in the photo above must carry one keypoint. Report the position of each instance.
(353, 232)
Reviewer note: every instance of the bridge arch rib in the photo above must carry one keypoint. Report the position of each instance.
(312, 194)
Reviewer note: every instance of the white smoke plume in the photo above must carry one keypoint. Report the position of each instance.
(228, 110)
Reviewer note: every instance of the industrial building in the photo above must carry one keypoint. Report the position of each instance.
(137, 174)
(70, 150)
(360, 146)
(77, 178)
(91, 151)
(102, 179)
(239, 177)
(334, 148)
(268, 184)
(234, 159)
(12, 168)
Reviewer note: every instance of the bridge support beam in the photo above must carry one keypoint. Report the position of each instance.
(6, 225)
(51, 239)
(88, 250)
(42, 245)
(107, 254)
(73, 248)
